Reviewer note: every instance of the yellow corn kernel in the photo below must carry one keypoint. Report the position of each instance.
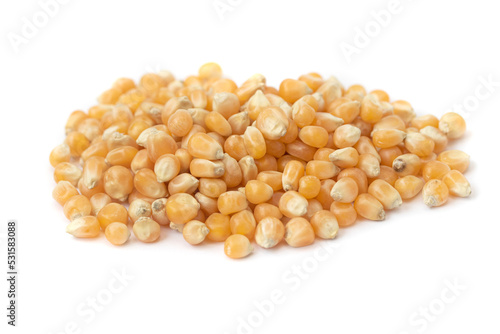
(303, 114)
(74, 119)
(239, 122)
(117, 233)
(233, 175)
(183, 183)
(292, 173)
(209, 71)
(345, 157)
(254, 142)
(146, 229)
(146, 182)
(271, 178)
(207, 205)
(292, 204)
(139, 208)
(314, 136)
(269, 232)
(91, 128)
(264, 210)
(322, 169)
(386, 138)
(292, 132)
(76, 207)
(166, 168)
(184, 159)
(452, 125)
(203, 146)
(291, 90)
(182, 208)
(455, 159)
(98, 149)
(327, 121)
(369, 207)
(345, 190)
(345, 213)
(194, 232)
(84, 227)
(99, 201)
(66, 171)
(369, 164)
(419, 144)
(457, 184)
(439, 138)
(324, 224)
(217, 123)
(309, 186)
(389, 122)
(212, 187)
(180, 123)
(137, 195)
(299, 232)
(231, 202)
(345, 109)
(313, 80)
(237, 246)
(173, 105)
(409, 186)
(272, 122)
(434, 170)
(324, 193)
(111, 213)
(124, 84)
(423, 121)
(385, 194)
(372, 109)
(249, 170)
(258, 192)
(266, 163)
(435, 193)
(243, 223)
(235, 147)
(301, 150)
(219, 226)
(159, 211)
(63, 191)
(206, 168)
(331, 90)
(365, 146)
(387, 155)
(358, 175)
(226, 104)
(407, 164)
(346, 136)
(122, 156)
(60, 153)
(404, 110)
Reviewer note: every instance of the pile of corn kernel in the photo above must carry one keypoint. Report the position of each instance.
(236, 164)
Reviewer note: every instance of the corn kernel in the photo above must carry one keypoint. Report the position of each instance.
(435, 193)
(299, 232)
(269, 232)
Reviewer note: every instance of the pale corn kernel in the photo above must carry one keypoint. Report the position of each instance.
(299, 232)
(272, 122)
(434, 170)
(435, 193)
(243, 223)
(258, 192)
(212, 187)
(217, 123)
(455, 159)
(91, 128)
(309, 186)
(84, 227)
(138, 209)
(63, 191)
(226, 104)
(369, 164)
(206, 168)
(199, 98)
(345, 157)
(231, 202)
(248, 168)
(180, 123)
(66, 171)
(323, 154)
(254, 142)
(386, 138)
(257, 103)
(239, 122)
(291, 90)
(146, 182)
(423, 121)
(76, 207)
(77, 143)
(235, 147)
(292, 173)
(111, 213)
(146, 229)
(365, 146)
(232, 172)
(237, 246)
(314, 136)
(159, 143)
(132, 98)
(198, 116)
(369, 207)
(356, 92)
(269, 232)
(387, 174)
(292, 204)
(324, 193)
(201, 145)
(117, 233)
(325, 224)
(409, 186)
(381, 95)
(389, 122)
(93, 171)
(121, 156)
(407, 164)
(177, 227)
(331, 90)
(345, 190)
(117, 139)
(365, 128)
(181, 208)
(208, 205)
(264, 210)
(301, 150)
(124, 84)
(99, 188)
(357, 175)
(372, 110)
(271, 178)
(167, 167)
(345, 213)
(385, 194)
(322, 169)
(74, 119)
(404, 110)
(313, 206)
(292, 132)
(219, 227)
(345, 109)
(327, 121)
(303, 114)
(99, 201)
(452, 125)
(266, 163)
(209, 71)
(419, 144)
(224, 85)
(275, 200)
(439, 138)
(60, 153)
(99, 149)
(387, 155)
(457, 184)
(194, 232)
(346, 136)
(183, 183)
(313, 80)
(159, 212)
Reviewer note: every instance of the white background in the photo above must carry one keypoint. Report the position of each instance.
(379, 274)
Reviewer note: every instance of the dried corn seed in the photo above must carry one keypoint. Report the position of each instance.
(292, 204)
(365, 146)
(76, 207)
(166, 167)
(369, 164)
(419, 144)
(111, 213)
(258, 192)
(291, 90)
(345, 190)
(239, 122)
(324, 196)
(77, 143)
(84, 227)
(385, 194)
(434, 170)
(254, 142)
(346, 136)
(231, 202)
(146, 229)
(387, 155)
(457, 184)
(303, 114)
(233, 175)
(159, 211)
(435, 193)
(139, 208)
(63, 191)
(237, 246)
(345, 213)
(345, 157)
(243, 223)
(455, 159)
(325, 224)
(182, 208)
(309, 186)
(404, 110)
(147, 183)
(452, 125)
(408, 186)
(269, 232)
(314, 136)
(299, 232)
(99, 201)
(322, 169)
(386, 138)
(60, 153)
(219, 226)
(217, 123)
(439, 138)
(272, 122)
(264, 210)
(248, 168)
(206, 168)
(407, 164)
(369, 207)
(194, 232)
(66, 171)
(117, 233)
(292, 173)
